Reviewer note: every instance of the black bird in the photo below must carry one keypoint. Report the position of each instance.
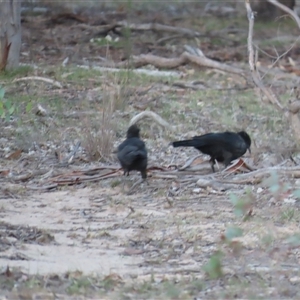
(223, 147)
(132, 153)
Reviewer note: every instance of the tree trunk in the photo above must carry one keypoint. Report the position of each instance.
(266, 10)
(10, 34)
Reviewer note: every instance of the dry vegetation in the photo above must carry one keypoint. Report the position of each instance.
(67, 227)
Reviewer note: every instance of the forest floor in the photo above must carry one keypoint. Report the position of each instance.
(69, 229)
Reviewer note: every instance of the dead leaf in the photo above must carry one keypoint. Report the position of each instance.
(14, 155)
(4, 172)
(238, 166)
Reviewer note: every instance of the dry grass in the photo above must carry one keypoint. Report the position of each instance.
(99, 135)
(152, 244)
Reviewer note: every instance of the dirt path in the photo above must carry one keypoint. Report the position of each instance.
(88, 232)
(100, 231)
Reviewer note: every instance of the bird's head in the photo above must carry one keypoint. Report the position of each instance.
(133, 131)
(245, 136)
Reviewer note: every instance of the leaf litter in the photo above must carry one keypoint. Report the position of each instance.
(64, 217)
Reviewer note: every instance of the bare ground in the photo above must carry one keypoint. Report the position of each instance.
(91, 238)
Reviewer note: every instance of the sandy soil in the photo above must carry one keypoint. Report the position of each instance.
(168, 228)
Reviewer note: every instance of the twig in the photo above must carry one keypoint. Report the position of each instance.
(48, 80)
(287, 10)
(278, 56)
(168, 38)
(254, 73)
(73, 153)
(293, 108)
(171, 63)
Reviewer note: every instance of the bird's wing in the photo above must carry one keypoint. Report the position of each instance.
(130, 152)
(229, 141)
(210, 139)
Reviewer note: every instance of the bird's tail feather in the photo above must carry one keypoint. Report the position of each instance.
(141, 154)
(185, 143)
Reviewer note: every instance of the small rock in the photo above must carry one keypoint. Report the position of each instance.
(289, 200)
(272, 201)
(259, 190)
(295, 279)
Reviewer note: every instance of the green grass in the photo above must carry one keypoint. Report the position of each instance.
(221, 106)
(22, 71)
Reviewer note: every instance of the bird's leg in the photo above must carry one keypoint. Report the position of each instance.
(125, 174)
(144, 175)
(212, 162)
(217, 164)
(227, 161)
(123, 184)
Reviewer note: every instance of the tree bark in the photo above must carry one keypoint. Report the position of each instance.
(10, 34)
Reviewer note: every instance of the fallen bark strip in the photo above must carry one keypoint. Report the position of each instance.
(215, 181)
(164, 176)
(47, 80)
(259, 175)
(42, 188)
(159, 27)
(189, 162)
(177, 32)
(80, 179)
(28, 175)
(212, 180)
(171, 63)
(215, 184)
(119, 26)
(110, 67)
(90, 175)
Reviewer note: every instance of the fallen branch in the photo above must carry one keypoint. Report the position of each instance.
(159, 27)
(171, 63)
(152, 115)
(47, 80)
